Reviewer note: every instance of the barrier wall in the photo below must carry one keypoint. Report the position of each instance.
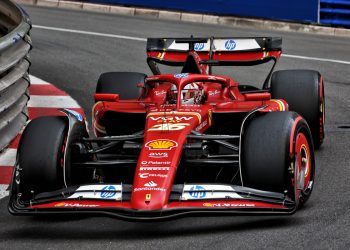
(335, 12)
(15, 45)
(296, 10)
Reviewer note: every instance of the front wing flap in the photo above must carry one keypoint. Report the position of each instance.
(189, 199)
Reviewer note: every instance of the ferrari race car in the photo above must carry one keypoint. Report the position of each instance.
(170, 145)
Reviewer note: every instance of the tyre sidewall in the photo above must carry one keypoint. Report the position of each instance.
(39, 155)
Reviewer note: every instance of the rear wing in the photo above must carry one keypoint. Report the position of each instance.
(215, 51)
(203, 53)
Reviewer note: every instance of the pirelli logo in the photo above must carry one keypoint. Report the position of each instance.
(154, 168)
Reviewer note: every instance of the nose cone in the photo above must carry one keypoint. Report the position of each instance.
(165, 135)
(149, 197)
(152, 184)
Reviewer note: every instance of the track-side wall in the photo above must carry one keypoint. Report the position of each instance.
(335, 12)
(15, 45)
(296, 10)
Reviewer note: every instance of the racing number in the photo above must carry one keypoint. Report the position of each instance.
(169, 126)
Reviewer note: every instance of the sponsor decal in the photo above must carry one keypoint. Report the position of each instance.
(158, 154)
(152, 78)
(210, 116)
(210, 187)
(151, 184)
(171, 118)
(202, 125)
(281, 105)
(182, 75)
(213, 92)
(155, 163)
(213, 78)
(227, 205)
(64, 204)
(146, 175)
(197, 192)
(161, 55)
(169, 127)
(159, 92)
(105, 194)
(97, 191)
(149, 189)
(161, 144)
(154, 168)
(230, 44)
(198, 46)
(186, 113)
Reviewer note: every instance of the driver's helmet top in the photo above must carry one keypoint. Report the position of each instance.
(190, 94)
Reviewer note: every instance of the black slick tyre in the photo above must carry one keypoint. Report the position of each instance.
(277, 155)
(40, 155)
(304, 92)
(122, 83)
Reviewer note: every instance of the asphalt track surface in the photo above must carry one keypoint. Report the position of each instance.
(74, 61)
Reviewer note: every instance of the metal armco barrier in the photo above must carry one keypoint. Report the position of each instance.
(296, 10)
(15, 45)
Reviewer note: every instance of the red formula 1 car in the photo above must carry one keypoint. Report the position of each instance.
(170, 145)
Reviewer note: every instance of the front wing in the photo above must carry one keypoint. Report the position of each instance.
(185, 200)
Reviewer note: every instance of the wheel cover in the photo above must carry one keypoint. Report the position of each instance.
(303, 165)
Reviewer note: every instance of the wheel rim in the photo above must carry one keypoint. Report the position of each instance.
(303, 166)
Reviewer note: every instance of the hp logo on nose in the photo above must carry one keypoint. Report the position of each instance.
(230, 44)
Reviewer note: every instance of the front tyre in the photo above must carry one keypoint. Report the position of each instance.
(40, 156)
(277, 155)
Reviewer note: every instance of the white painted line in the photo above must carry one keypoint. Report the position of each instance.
(34, 80)
(3, 191)
(41, 101)
(8, 158)
(316, 59)
(91, 33)
(144, 40)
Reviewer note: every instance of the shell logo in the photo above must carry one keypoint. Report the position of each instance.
(162, 144)
(208, 205)
(61, 204)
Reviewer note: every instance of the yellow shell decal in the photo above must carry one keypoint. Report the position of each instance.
(61, 204)
(210, 116)
(162, 144)
(207, 205)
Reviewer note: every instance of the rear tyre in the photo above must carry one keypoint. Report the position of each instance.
(122, 83)
(277, 155)
(40, 155)
(304, 92)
